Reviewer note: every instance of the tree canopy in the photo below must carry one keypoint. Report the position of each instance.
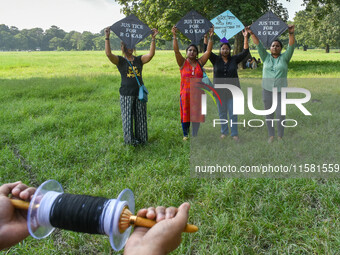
(322, 33)
(320, 8)
(163, 14)
(54, 38)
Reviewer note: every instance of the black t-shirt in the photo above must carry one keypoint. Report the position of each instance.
(227, 71)
(129, 85)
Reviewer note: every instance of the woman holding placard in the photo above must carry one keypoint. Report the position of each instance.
(274, 76)
(133, 110)
(225, 67)
(191, 69)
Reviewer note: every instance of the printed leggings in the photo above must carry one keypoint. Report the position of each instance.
(134, 120)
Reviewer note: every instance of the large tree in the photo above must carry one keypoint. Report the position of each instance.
(303, 35)
(163, 14)
(52, 32)
(322, 33)
(324, 7)
(6, 37)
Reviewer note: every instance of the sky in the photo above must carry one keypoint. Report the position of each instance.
(78, 15)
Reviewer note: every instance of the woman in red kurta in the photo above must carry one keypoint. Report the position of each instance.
(191, 68)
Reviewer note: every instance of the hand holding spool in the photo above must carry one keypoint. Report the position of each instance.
(111, 217)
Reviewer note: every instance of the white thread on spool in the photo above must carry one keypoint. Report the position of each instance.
(44, 209)
(106, 216)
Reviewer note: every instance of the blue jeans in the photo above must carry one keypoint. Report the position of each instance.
(186, 126)
(223, 110)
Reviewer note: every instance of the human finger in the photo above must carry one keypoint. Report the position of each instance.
(7, 188)
(151, 213)
(170, 212)
(142, 212)
(17, 189)
(27, 193)
(160, 213)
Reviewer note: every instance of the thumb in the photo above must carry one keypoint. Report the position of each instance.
(182, 215)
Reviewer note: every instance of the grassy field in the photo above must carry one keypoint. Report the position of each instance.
(60, 119)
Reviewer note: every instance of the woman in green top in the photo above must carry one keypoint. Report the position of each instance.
(274, 75)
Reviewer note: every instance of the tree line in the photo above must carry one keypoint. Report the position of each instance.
(316, 26)
(54, 38)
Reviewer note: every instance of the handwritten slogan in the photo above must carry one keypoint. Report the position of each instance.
(193, 25)
(227, 25)
(131, 30)
(268, 28)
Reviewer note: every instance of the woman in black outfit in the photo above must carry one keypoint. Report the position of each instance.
(225, 67)
(133, 110)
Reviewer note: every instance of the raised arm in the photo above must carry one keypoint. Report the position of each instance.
(207, 53)
(245, 36)
(245, 51)
(291, 30)
(261, 50)
(253, 36)
(205, 42)
(146, 58)
(179, 58)
(113, 58)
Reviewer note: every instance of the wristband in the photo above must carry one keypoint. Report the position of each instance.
(107, 38)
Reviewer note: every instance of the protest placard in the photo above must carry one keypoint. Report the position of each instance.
(131, 30)
(193, 25)
(268, 28)
(226, 25)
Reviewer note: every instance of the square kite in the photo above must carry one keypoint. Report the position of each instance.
(226, 25)
(131, 30)
(268, 27)
(194, 26)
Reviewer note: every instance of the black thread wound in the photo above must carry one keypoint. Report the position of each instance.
(79, 213)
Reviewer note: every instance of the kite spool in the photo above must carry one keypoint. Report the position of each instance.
(50, 207)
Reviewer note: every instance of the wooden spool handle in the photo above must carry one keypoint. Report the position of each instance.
(142, 222)
(19, 204)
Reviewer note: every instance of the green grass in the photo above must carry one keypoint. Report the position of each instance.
(60, 119)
